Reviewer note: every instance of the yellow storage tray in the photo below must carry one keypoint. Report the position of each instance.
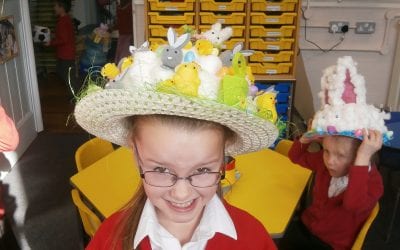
(158, 5)
(262, 31)
(231, 43)
(161, 31)
(282, 56)
(270, 68)
(281, 44)
(284, 5)
(238, 31)
(174, 18)
(232, 18)
(212, 5)
(157, 41)
(262, 18)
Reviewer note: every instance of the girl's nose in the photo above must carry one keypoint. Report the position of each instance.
(181, 190)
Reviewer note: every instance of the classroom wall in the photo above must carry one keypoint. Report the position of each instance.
(373, 52)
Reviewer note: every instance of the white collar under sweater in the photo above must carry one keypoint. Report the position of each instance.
(338, 184)
(215, 219)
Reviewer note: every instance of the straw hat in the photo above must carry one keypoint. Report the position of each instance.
(344, 110)
(195, 88)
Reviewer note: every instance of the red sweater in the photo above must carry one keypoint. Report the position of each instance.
(8, 133)
(337, 220)
(250, 232)
(64, 40)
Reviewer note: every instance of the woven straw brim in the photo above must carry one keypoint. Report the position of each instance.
(104, 114)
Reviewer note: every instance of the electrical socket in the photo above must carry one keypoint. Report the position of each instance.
(336, 26)
(365, 27)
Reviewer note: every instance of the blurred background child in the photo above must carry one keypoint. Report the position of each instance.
(347, 184)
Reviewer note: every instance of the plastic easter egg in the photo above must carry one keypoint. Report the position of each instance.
(253, 90)
(189, 57)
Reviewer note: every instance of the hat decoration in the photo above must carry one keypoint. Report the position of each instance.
(183, 80)
(344, 110)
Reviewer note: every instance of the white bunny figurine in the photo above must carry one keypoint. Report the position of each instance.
(217, 36)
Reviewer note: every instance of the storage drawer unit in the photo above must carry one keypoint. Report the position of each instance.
(158, 5)
(233, 5)
(238, 30)
(281, 44)
(263, 18)
(281, 56)
(270, 68)
(231, 18)
(171, 18)
(284, 5)
(265, 31)
(161, 30)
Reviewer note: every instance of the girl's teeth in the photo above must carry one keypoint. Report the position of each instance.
(186, 204)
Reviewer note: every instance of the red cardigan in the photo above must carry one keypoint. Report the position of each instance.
(251, 234)
(337, 220)
(64, 40)
(8, 133)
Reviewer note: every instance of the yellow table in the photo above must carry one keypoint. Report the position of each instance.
(109, 183)
(269, 188)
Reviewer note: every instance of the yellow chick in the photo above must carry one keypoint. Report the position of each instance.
(110, 70)
(266, 106)
(167, 86)
(187, 79)
(188, 46)
(125, 62)
(154, 46)
(204, 47)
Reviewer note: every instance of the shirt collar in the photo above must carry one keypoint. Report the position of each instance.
(215, 219)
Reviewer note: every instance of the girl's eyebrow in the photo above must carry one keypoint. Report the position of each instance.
(193, 168)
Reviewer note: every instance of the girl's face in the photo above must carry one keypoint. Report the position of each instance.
(166, 148)
(339, 153)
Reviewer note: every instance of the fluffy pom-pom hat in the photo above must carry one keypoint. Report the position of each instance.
(344, 110)
(147, 87)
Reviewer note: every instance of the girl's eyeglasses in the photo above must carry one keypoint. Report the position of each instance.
(166, 179)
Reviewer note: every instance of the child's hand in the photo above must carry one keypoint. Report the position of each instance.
(371, 143)
(306, 140)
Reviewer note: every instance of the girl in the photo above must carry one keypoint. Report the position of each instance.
(181, 163)
(179, 143)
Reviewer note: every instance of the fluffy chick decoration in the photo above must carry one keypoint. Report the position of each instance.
(266, 105)
(110, 71)
(186, 79)
(205, 47)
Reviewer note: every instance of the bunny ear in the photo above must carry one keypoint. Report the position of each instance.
(226, 33)
(238, 47)
(132, 49)
(247, 52)
(171, 36)
(270, 89)
(181, 41)
(216, 26)
(145, 45)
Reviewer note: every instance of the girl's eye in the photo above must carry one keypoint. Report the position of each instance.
(161, 169)
(203, 170)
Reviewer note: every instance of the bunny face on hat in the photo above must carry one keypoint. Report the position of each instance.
(218, 35)
(171, 54)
